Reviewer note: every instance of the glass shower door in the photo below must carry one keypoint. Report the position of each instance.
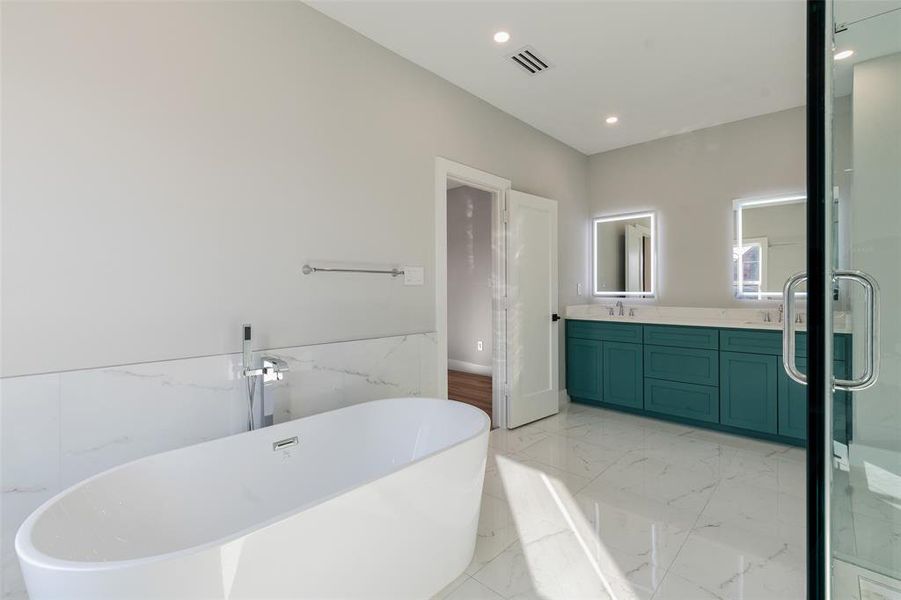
(865, 237)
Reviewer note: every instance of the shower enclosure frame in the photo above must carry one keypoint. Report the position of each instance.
(819, 369)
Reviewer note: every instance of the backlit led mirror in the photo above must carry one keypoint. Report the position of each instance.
(769, 246)
(624, 262)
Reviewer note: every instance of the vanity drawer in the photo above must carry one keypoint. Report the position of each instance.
(600, 330)
(688, 365)
(681, 337)
(687, 400)
(770, 342)
(755, 342)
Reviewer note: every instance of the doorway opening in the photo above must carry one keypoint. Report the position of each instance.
(471, 287)
(470, 338)
(523, 294)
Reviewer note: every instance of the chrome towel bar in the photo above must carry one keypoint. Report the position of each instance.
(308, 270)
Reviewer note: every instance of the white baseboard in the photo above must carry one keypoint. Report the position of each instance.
(468, 367)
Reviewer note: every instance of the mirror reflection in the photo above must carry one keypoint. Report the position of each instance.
(770, 245)
(624, 263)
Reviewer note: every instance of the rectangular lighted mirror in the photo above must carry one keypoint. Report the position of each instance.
(623, 255)
(770, 245)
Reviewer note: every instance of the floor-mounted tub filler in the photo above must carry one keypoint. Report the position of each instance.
(377, 500)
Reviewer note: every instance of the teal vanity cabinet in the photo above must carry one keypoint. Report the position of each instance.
(583, 368)
(793, 402)
(793, 405)
(749, 391)
(604, 363)
(683, 400)
(772, 403)
(682, 372)
(621, 374)
(726, 379)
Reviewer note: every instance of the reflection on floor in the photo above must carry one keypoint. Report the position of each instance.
(471, 389)
(592, 503)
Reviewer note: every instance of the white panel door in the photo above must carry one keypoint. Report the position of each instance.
(532, 374)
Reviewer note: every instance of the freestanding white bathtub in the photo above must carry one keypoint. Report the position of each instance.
(377, 500)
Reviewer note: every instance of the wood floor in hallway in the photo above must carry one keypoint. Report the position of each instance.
(471, 389)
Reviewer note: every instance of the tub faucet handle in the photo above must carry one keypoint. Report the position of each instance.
(274, 368)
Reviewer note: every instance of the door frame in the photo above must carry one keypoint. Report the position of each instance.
(498, 187)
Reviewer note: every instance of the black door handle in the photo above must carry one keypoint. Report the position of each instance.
(555, 317)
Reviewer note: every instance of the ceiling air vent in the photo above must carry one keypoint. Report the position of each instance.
(530, 61)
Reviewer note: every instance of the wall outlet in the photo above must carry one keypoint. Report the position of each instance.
(414, 275)
(479, 345)
(578, 289)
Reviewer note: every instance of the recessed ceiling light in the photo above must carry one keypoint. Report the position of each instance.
(843, 54)
(501, 37)
(612, 120)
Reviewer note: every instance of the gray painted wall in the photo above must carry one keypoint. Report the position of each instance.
(168, 168)
(691, 181)
(469, 276)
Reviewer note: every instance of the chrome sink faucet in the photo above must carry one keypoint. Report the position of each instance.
(619, 305)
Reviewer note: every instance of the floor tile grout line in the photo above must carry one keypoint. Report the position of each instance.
(450, 592)
(687, 537)
(483, 567)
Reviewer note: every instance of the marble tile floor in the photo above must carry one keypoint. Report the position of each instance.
(593, 503)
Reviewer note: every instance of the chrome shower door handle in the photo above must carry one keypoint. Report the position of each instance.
(871, 367)
(788, 328)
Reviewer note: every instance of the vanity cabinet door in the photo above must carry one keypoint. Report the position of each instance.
(748, 391)
(584, 360)
(793, 404)
(622, 374)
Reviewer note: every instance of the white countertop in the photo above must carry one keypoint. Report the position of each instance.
(736, 318)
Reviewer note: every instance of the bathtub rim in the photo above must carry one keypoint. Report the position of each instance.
(26, 551)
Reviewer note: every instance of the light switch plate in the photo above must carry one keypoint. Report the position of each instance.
(414, 275)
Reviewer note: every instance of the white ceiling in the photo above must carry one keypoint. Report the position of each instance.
(662, 67)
